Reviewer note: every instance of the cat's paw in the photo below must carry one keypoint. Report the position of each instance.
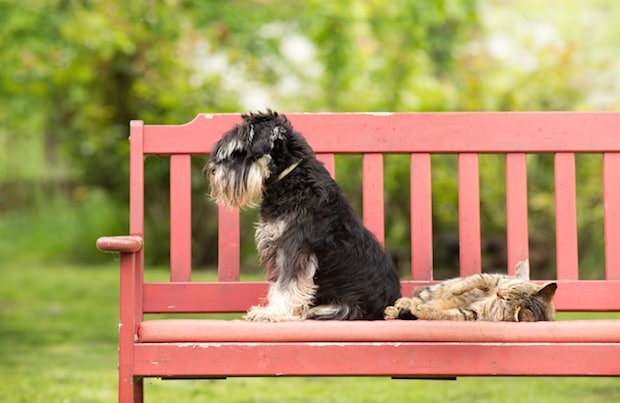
(391, 312)
(423, 311)
(400, 310)
(404, 304)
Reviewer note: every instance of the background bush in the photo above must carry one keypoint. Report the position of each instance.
(74, 73)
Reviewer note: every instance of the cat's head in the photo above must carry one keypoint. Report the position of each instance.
(528, 302)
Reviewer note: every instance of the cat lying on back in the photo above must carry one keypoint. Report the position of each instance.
(489, 297)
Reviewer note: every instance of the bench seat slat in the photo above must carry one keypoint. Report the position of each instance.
(240, 331)
(376, 359)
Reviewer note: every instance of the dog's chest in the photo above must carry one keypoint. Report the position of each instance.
(267, 236)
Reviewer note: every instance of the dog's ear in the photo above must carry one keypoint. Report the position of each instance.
(278, 133)
(260, 142)
(251, 134)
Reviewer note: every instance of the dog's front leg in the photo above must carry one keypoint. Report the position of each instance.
(288, 299)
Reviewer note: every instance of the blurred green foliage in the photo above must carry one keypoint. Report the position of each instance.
(75, 72)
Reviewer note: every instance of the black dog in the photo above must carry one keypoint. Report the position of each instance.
(323, 263)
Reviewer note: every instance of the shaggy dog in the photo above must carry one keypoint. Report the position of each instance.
(322, 262)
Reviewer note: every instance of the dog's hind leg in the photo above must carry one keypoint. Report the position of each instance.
(288, 300)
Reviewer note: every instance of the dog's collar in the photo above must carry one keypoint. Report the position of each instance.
(288, 170)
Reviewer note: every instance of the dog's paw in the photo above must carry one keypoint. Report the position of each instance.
(264, 314)
(258, 314)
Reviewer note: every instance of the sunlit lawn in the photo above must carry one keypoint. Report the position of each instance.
(58, 328)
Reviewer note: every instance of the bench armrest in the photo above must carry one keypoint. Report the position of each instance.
(121, 244)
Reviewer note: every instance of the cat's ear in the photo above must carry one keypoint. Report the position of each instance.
(548, 291)
(522, 270)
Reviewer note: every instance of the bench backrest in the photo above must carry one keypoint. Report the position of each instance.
(514, 134)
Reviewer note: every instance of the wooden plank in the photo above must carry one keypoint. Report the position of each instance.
(136, 178)
(377, 359)
(516, 210)
(329, 160)
(180, 218)
(132, 269)
(372, 195)
(469, 215)
(421, 217)
(572, 295)
(199, 297)
(130, 315)
(228, 244)
(361, 331)
(442, 132)
(611, 196)
(566, 217)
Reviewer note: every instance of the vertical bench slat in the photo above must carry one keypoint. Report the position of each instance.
(136, 186)
(611, 195)
(132, 270)
(469, 214)
(516, 210)
(566, 217)
(372, 195)
(228, 249)
(421, 217)
(180, 218)
(329, 160)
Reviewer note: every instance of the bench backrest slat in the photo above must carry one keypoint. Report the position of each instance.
(566, 216)
(469, 214)
(180, 218)
(372, 195)
(435, 132)
(228, 250)
(611, 208)
(421, 213)
(329, 160)
(517, 236)
(136, 174)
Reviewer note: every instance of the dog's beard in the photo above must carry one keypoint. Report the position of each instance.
(236, 189)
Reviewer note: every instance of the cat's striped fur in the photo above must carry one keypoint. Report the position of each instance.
(489, 297)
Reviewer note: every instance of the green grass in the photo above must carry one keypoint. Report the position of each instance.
(58, 229)
(58, 329)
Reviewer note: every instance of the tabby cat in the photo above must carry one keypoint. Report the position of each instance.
(489, 297)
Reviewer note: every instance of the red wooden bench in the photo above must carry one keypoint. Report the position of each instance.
(209, 348)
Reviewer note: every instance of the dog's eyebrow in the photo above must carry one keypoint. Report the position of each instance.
(226, 150)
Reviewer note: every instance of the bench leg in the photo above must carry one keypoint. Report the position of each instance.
(138, 390)
(131, 390)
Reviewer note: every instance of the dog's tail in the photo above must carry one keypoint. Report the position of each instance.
(329, 312)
